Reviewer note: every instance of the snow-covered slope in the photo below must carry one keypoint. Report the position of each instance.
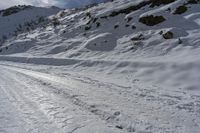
(20, 18)
(148, 48)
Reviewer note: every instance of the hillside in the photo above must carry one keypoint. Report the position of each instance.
(135, 65)
(18, 19)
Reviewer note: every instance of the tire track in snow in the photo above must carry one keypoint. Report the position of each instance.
(109, 117)
(55, 110)
(148, 104)
(30, 113)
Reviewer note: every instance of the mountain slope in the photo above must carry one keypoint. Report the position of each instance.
(114, 31)
(17, 19)
(132, 64)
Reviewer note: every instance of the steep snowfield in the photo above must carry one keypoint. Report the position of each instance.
(117, 73)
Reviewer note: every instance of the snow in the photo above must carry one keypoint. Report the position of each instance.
(10, 23)
(106, 80)
(102, 42)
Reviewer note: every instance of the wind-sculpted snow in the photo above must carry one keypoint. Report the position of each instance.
(102, 42)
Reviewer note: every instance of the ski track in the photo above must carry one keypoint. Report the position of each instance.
(50, 103)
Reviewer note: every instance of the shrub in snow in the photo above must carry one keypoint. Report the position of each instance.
(104, 17)
(180, 41)
(180, 10)
(55, 21)
(133, 27)
(168, 35)
(168, 9)
(98, 24)
(119, 126)
(127, 25)
(130, 9)
(129, 19)
(87, 27)
(28, 29)
(88, 22)
(161, 32)
(160, 2)
(193, 1)
(95, 19)
(88, 14)
(62, 13)
(138, 38)
(116, 26)
(152, 20)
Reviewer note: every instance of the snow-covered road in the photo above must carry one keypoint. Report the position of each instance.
(39, 102)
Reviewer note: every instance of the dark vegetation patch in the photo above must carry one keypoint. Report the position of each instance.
(160, 2)
(127, 25)
(94, 20)
(138, 38)
(193, 1)
(180, 10)
(180, 41)
(152, 20)
(133, 27)
(132, 8)
(88, 28)
(14, 10)
(98, 24)
(88, 14)
(104, 17)
(183, 8)
(116, 26)
(55, 22)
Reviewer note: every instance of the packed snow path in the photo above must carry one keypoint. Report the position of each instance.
(38, 102)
